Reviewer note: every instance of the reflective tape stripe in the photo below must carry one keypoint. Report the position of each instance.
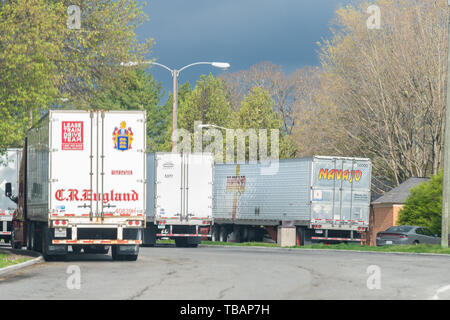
(97, 241)
(338, 239)
(182, 235)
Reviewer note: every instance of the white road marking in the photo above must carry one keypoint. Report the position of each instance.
(439, 291)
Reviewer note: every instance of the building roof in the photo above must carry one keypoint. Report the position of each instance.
(399, 193)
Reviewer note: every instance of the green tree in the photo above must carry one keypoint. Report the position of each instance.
(28, 73)
(42, 60)
(138, 90)
(256, 112)
(207, 103)
(423, 207)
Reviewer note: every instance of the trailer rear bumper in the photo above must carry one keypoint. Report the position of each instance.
(183, 235)
(97, 241)
(338, 239)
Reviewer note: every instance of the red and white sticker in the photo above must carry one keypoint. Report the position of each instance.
(72, 135)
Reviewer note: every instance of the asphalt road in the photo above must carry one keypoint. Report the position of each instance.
(167, 272)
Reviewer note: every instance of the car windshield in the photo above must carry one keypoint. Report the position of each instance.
(399, 229)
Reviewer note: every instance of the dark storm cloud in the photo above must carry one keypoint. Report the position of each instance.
(241, 32)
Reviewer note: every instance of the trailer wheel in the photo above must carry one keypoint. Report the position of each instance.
(14, 243)
(50, 257)
(223, 234)
(76, 249)
(215, 234)
(29, 246)
(122, 257)
(181, 243)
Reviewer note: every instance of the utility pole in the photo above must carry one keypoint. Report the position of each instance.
(446, 177)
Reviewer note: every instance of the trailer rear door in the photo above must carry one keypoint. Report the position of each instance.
(97, 163)
(122, 162)
(73, 154)
(9, 172)
(198, 191)
(168, 186)
(340, 190)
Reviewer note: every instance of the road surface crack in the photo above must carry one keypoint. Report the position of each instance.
(139, 293)
(222, 292)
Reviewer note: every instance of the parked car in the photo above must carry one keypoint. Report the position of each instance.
(399, 235)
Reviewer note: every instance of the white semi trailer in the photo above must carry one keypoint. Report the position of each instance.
(327, 199)
(9, 172)
(82, 183)
(179, 202)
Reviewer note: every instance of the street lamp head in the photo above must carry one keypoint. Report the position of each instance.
(225, 65)
(129, 64)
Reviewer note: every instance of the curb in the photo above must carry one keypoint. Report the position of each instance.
(38, 258)
(330, 250)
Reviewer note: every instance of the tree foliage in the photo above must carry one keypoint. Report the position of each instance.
(137, 90)
(424, 205)
(43, 61)
(207, 103)
(387, 86)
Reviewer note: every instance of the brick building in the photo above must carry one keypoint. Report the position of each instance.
(384, 210)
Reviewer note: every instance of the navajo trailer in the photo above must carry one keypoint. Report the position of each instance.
(9, 171)
(179, 201)
(82, 183)
(326, 199)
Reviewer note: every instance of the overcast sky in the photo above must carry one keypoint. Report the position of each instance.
(241, 32)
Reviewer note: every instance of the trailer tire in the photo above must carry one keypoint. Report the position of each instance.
(132, 257)
(122, 257)
(223, 234)
(76, 249)
(14, 243)
(215, 234)
(181, 243)
(29, 245)
(50, 257)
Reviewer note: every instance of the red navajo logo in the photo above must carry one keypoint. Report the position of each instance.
(72, 135)
(88, 195)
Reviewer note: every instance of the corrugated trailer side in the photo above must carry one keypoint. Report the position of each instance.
(37, 159)
(243, 195)
(295, 195)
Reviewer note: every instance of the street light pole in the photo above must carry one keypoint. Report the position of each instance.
(175, 73)
(174, 109)
(446, 173)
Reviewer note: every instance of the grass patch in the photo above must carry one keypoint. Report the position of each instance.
(242, 244)
(8, 260)
(420, 248)
(165, 241)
